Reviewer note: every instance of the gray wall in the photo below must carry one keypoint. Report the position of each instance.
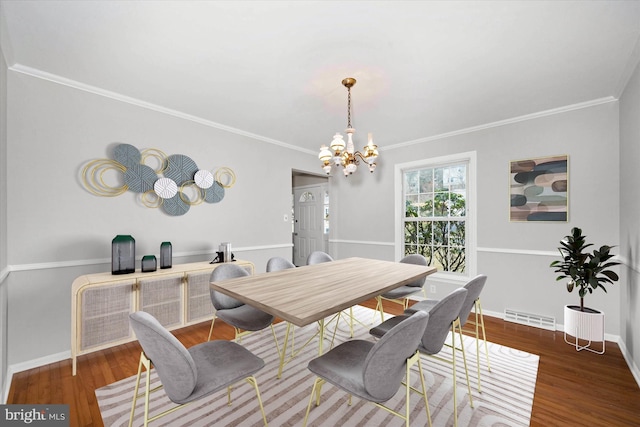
(58, 230)
(3, 220)
(630, 216)
(515, 256)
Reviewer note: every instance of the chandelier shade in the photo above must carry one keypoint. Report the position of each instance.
(341, 154)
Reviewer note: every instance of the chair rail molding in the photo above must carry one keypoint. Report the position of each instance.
(97, 261)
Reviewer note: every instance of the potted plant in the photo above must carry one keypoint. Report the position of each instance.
(587, 271)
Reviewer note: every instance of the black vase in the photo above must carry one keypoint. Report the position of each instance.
(123, 255)
(165, 255)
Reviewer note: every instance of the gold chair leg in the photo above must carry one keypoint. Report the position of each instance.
(252, 380)
(464, 359)
(484, 335)
(453, 362)
(479, 324)
(477, 348)
(315, 390)
(424, 391)
(147, 392)
(135, 390)
(406, 398)
(211, 329)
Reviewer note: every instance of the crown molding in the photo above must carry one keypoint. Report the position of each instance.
(506, 122)
(54, 78)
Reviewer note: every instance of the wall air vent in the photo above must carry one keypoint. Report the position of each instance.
(537, 320)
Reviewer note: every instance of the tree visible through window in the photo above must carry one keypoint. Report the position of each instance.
(435, 215)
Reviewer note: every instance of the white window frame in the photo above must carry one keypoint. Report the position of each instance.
(471, 221)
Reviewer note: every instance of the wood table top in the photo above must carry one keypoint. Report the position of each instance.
(304, 295)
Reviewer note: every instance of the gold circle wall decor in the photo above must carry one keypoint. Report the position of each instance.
(93, 177)
(225, 172)
(158, 155)
(165, 187)
(199, 196)
(151, 199)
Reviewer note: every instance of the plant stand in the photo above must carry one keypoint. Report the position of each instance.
(584, 325)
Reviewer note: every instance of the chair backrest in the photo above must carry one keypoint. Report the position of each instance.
(474, 288)
(440, 318)
(318, 257)
(172, 361)
(226, 271)
(384, 366)
(278, 263)
(416, 259)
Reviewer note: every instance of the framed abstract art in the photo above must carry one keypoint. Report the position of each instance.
(539, 189)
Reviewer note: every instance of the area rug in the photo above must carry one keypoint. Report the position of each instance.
(506, 398)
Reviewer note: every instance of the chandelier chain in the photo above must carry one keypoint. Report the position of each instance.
(348, 107)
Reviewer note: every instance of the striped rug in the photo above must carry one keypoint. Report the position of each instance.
(506, 398)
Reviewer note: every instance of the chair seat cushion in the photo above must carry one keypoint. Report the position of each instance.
(343, 367)
(220, 363)
(245, 317)
(386, 326)
(425, 305)
(401, 292)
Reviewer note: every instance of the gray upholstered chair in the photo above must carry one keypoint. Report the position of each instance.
(190, 374)
(401, 294)
(374, 371)
(278, 263)
(443, 318)
(474, 288)
(318, 257)
(242, 317)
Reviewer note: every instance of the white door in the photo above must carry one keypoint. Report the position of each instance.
(308, 225)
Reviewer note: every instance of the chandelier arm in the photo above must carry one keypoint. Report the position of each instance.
(359, 154)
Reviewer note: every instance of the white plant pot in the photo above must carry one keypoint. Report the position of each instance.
(583, 325)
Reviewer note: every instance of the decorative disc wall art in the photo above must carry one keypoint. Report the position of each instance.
(539, 189)
(175, 186)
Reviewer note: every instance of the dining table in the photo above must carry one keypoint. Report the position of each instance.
(312, 293)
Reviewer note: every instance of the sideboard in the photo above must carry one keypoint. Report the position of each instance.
(101, 303)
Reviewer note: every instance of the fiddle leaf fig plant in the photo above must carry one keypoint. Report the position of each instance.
(586, 270)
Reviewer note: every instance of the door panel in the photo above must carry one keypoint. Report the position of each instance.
(308, 230)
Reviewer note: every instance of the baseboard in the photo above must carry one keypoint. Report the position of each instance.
(635, 371)
(608, 337)
(30, 364)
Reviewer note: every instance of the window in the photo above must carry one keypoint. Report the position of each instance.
(435, 212)
(307, 196)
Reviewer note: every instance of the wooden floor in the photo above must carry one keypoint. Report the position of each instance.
(572, 389)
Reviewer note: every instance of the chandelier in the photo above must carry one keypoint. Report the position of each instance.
(342, 154)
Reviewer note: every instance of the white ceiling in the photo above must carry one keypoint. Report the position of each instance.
(273, 69)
